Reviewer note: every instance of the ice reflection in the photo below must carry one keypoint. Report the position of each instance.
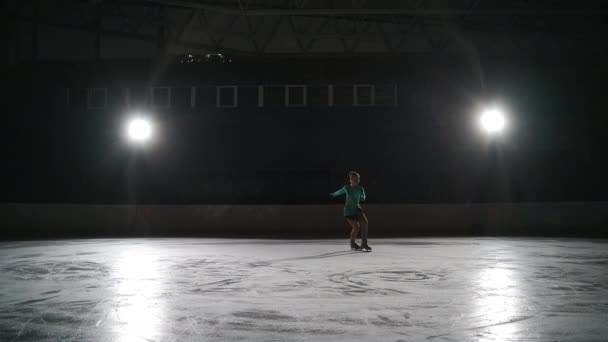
(497, 305)
(139, 311)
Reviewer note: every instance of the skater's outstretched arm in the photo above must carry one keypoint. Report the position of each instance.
(338, 193)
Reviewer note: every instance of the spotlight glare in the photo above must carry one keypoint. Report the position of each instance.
(139, 130)
(492, 121)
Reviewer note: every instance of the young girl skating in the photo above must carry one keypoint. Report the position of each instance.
(352, 210)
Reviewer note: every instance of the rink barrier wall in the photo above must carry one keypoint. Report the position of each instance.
(570, 218)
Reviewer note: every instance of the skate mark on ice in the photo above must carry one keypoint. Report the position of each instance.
(278, 322)
(264, 315)
(190, 325)
(548, 272)
(510, 320)
(350, 287)
(600, 259)
(379, 282)
(385, 321)
(402, 275)
(346, 320)
(28, 270)
(259, 264)
(219, 289)
(87, 253)
(191, 263)
(602, 262)
(5, 246)
(32, 301)
(573, 256)
(209, 275)
(266, 263)
(427, 243)
(220, 283)
(268, 326)
(27, 256)
(50, 292)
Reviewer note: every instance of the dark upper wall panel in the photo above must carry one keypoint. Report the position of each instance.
(68, 30)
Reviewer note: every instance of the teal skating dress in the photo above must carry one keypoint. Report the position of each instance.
(354, 194)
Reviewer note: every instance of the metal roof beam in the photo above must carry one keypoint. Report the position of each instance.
(382, 11)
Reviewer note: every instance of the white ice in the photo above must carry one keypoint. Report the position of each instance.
(469, 289)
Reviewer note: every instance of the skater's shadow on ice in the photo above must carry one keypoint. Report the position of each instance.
(309, 257)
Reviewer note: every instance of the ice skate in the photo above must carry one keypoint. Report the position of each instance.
(365, 246)
(354, 246)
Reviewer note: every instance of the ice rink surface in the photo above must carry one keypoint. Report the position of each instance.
(456, 289)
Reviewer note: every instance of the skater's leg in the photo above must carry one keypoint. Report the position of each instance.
(356, 227)
(353, 233)
(364, 223)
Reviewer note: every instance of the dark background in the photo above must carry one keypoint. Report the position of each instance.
(427, 149)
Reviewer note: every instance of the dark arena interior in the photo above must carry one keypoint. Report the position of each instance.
(220, 170)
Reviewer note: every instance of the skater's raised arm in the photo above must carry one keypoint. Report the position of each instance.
(339, 192)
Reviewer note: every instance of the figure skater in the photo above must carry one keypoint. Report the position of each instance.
(352, 210)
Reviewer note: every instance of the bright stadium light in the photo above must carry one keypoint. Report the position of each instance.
(492, 121)
(139, 130)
